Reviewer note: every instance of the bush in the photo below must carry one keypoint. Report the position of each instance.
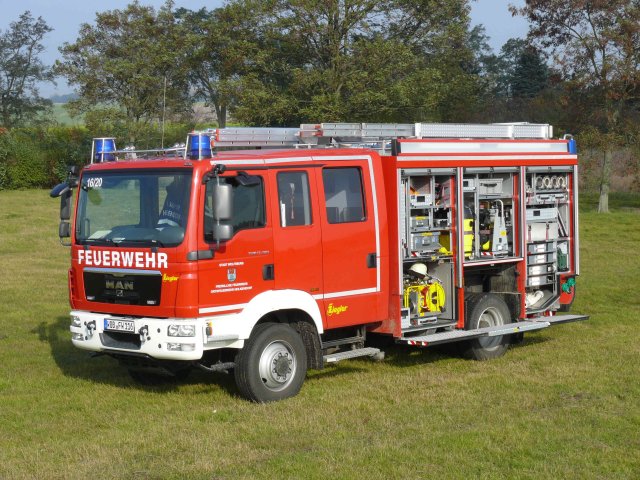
(22, 163)
(37, 157)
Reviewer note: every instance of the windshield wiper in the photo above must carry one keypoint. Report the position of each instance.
(99, 241)
(137, 241)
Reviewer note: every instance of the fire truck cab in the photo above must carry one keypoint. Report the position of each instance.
(275, 260)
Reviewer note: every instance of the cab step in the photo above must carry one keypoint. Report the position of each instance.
(358, 352)
(559, 319)
(455, 335)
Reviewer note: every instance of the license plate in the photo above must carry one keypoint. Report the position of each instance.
(119, 325)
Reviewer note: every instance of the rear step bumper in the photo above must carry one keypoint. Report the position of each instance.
(346, 355)
(559, 319)
(508, 329)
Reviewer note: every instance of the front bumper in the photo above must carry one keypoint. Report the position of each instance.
(149, 336)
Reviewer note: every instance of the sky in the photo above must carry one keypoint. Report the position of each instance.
(65, 17)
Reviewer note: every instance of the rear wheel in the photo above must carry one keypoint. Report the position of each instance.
(272, 365)
(486, 310)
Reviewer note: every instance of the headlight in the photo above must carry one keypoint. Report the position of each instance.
(181, 347)
(75, 321)
(181, 331)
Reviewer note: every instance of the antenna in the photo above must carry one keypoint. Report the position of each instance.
(164, 105)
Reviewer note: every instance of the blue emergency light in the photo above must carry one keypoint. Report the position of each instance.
(103, 150)
(573, 146)
(199, 146)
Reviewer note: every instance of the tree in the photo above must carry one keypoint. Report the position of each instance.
(530, 75)
(21, 70)
(597, 45)
(131, 60)
(219, 46)
(393, 60)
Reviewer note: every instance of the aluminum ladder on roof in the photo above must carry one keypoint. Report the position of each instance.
(427, 130)
(334, 134)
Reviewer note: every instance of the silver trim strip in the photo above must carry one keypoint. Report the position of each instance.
(348, 293)
(493, 261)
(460, 229)
(523, 218)
(124, 271)
(224, 308)
(480, 158)
(576, 218)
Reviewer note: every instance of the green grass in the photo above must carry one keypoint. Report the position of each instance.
(565, 404)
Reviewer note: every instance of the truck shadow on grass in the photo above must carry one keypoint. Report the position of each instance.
(402, 355)
(75, 363)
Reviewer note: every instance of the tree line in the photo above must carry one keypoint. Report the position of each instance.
(282, 63)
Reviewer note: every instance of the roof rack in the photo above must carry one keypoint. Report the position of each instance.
(389, 131)
(377, 136)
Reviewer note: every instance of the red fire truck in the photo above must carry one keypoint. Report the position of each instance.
(293, 253)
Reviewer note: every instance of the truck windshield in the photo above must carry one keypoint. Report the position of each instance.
(133, 208)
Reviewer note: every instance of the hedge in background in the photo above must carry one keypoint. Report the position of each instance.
(38, 157)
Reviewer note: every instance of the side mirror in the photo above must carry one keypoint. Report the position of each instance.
(64, 230)
(222, 201)
(222, 232)
(65, 205)
(59, 189)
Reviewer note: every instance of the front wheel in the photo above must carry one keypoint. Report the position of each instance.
(486, 310)
(272, 365)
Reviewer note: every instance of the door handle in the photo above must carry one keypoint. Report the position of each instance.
(372, 260)
(268, 272)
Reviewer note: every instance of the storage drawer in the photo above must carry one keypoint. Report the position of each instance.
(542, 269)
(539, 232)
(490, 186)
(542, 214)
(543, 247)
(540, 280)
(426, 241)
(541, 258)
(419, 222)
(421, 200)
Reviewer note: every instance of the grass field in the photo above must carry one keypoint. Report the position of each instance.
(564, 404)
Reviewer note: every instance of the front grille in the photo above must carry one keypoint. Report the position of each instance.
(123, 289)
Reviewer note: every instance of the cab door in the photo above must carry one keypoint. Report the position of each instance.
(351, 277)
(296, 231)
(241, 267)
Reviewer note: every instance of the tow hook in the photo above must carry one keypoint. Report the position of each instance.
(91, 327)
(143, 334)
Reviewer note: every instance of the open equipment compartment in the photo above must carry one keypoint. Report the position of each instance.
(426, 216)
(488, 197)
(549, 239)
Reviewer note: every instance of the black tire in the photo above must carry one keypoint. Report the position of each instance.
(272, 365)
(151, 379)
(486, 310)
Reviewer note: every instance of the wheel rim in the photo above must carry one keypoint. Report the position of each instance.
(277, 365)
(490, 317)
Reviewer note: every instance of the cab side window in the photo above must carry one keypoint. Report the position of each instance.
(294, 199)
(248, 207)
(344, 195)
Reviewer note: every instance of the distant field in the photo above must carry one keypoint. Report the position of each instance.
(563, 405)
(61, 115)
